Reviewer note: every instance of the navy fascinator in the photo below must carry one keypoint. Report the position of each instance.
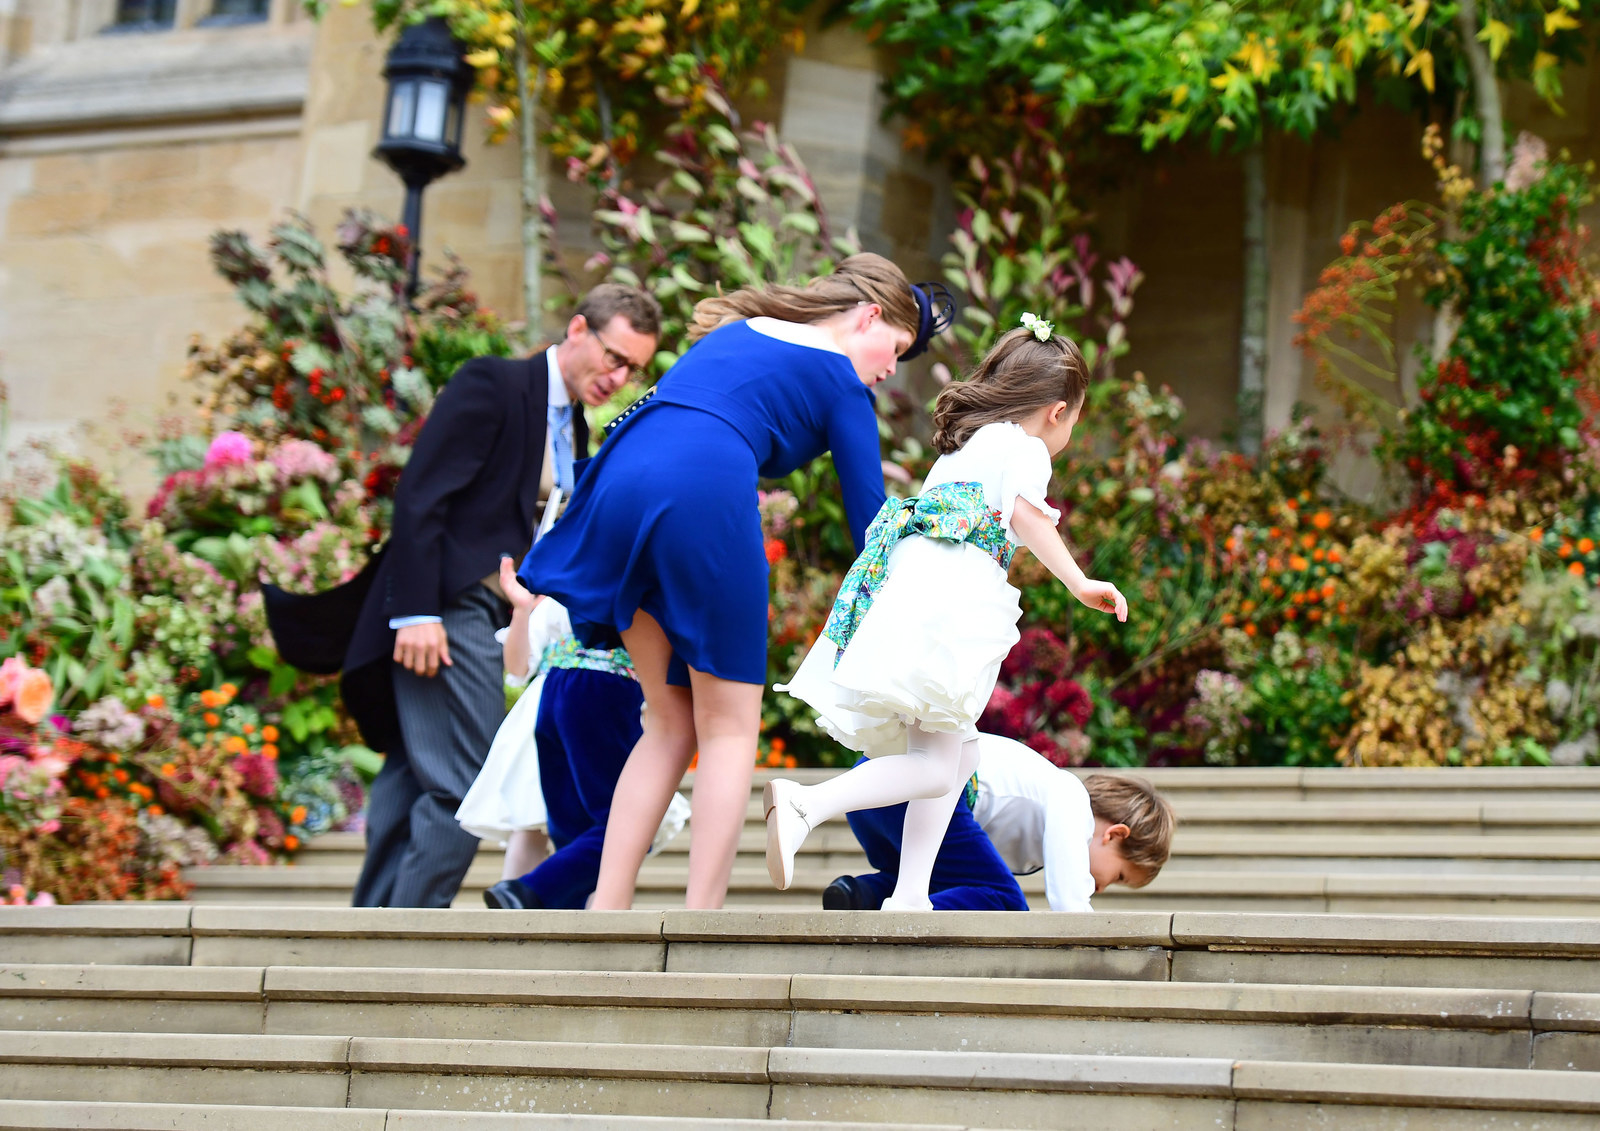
(937, 309)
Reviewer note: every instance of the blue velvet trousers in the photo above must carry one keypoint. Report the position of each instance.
(968, 874)
(587, 726)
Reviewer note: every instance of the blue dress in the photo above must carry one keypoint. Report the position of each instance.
(665, 517)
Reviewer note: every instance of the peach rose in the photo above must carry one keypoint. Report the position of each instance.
(10, 675)
(34, 695)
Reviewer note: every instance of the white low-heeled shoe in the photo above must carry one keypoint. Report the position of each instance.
(787, 826)
(889, 904)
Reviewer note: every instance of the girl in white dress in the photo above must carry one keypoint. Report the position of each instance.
(910, 656)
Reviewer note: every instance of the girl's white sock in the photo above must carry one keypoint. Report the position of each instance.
(923, 834)
(931, 763)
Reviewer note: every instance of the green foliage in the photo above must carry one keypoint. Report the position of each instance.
(1523, 354)
(1019, 248)
(610, 77)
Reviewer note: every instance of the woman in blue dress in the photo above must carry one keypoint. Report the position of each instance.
(661, 543)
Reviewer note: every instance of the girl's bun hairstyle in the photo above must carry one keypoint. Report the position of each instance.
(1020, 375)
(858, 279)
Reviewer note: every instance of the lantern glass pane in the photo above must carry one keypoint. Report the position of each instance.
(402, 109)
(453, 126)
(433, 99)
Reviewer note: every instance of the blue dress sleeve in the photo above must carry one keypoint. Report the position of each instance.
(853, 439)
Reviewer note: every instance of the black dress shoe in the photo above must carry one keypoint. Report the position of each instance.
(844, 894)
(511, 895)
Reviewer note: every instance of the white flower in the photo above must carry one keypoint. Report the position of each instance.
(1558, 697)
(1577, 751)
(1041, 329)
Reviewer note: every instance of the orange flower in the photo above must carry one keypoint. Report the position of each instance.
(1247, 606)
(155, 810)
(291, 843)
(269, 733)
(211, 718)
(779, 745)
(209, 698)
(121, 776)
(1537, 534)
(248, 728)
(35, 694)
(230, 689)
(1250, 629)
(297, 814)
(1585, 545)
(776, 551)
(1344, 607)
(790, 761)
(168, 769)
(1299, 564)
(1334, 556)
(1322, 520)
(1290, 614)
(1227, 619)
(1292, 504)
(1317, 555)
(269, 752)
(155, 701)
(1575, 569)
(1565, 550)
(102, 793)
(1328, 590)
(1275, 532)
(233, 744)
(1314, 615)
(1308, 540)
(1275, 564)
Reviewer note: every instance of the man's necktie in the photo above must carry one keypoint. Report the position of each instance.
(561, 445)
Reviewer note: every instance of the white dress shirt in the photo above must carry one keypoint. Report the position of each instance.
(559, 398)
(1038, 816)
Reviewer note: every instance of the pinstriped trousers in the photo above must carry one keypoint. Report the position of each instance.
(416, 853)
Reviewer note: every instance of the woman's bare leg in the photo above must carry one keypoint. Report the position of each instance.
(526, 849)
(653, 770)
(727, 719)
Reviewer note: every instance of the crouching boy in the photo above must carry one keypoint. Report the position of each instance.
(1020, 814)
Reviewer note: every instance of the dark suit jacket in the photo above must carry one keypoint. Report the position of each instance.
(468, 494)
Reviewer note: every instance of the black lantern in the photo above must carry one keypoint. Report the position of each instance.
(428, 84)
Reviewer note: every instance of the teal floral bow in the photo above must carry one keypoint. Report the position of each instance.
(954, 512)
(568, 653)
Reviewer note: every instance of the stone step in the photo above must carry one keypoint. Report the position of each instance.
(1350, 950)
(976, 1089)
(93, 1115)
(1534, 890)
(1382, 1025)
(831, 845)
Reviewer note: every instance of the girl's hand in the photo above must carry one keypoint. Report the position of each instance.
(1102, 596)
(521, 600)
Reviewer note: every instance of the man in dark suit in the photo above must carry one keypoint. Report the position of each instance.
(502, 434)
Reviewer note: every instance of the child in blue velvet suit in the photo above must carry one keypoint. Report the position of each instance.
(1021, 813)
(586, 724)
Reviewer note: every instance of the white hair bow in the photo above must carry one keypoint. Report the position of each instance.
(1041, 329)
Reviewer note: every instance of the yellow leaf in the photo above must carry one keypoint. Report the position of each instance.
(1496, 35)
(487, 57)
(1543, 60)
(1558, 20)
(1419, 12)
(1377, 23)
(1221, 81)
(689, 9)
(1422, 63)
(1180, 94)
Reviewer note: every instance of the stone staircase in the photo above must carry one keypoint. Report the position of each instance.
(1484, 841)
(196, 1016)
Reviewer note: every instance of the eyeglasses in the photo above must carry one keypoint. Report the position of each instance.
(614, 360)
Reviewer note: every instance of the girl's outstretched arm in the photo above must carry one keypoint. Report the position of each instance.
(1039, 535)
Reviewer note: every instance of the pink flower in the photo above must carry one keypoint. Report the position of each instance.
(259, 774)
(301, 459)
(10, 676)
(1068, 695)
(230, 449)
(44, 899)
(34, 695)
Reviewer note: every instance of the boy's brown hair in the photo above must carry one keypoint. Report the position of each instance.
(1131, 801)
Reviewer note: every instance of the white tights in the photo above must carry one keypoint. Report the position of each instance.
(929, 777)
